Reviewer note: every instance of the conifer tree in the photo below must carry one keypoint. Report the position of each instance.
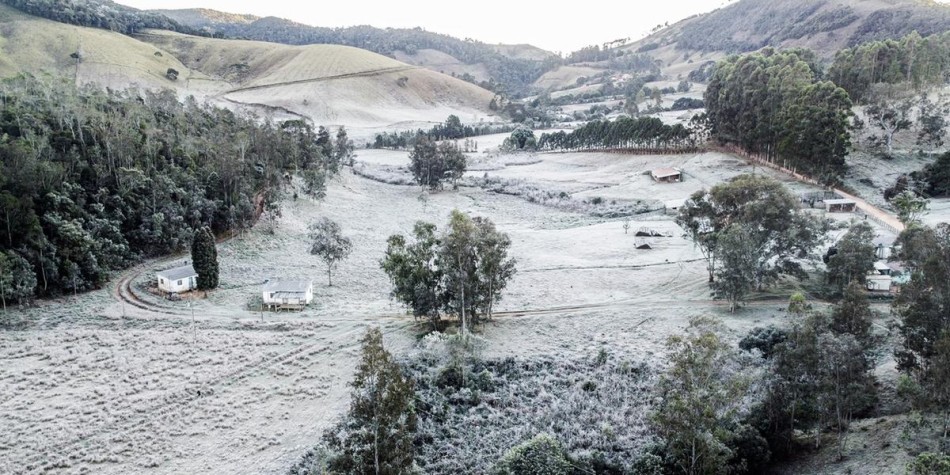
(204, 257)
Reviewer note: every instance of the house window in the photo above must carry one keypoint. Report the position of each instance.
(161, 281)
(179, 282)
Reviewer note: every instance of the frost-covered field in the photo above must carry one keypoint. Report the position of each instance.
(94, 385)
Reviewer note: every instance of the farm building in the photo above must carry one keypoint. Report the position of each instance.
(840, 205)
(178, 279)
(667, 175)
(287, 294)
(879, 283)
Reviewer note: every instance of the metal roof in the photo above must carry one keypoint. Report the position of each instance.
(665, 172)
(293, 286)
(841, 201)
(177, 273)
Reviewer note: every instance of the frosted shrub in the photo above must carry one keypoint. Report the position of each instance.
(595, 407)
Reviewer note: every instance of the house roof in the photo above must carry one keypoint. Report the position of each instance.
(879, 266)
(665, 172)
(840, 201)
(176, 273)
(291, 286)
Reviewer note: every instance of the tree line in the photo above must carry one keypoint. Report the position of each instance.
(918, 61)
(451, 129)
(91, 181)
(774, 104)
(625, 132)
(106, 16)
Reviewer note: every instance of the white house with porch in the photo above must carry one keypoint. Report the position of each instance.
(287, 294)
(178, 279)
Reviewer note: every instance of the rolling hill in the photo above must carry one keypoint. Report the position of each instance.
(331, 84)
(515, 66)
(825, 26)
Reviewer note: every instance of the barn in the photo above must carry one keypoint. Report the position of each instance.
(667, 175)
(287, 294)
(178, 279)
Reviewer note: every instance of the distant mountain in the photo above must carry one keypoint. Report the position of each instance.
(825, 26)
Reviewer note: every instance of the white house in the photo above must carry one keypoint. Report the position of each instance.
(178, 279)
(287, 294)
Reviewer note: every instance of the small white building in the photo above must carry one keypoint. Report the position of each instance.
(287, 294)
(178, 279)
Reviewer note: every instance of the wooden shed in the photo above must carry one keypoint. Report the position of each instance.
(287, 294)
(840, 205)
(178, 279)
(666, 175)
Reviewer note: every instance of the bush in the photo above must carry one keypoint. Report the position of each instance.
(542, 455)
(930, 464)
(763, 339)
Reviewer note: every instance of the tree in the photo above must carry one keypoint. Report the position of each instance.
(923, 305)
(493, 266)
(735, 276)
(17, 279)
(932, 122)
(204, 258)
(376, 435)
(845, 383)
(780, 234)
(889, 113)
(328, 243)
(416, 279)
(853, 315)
(702, 396)
(910, 207)
(343, 147)
(935, 380)
(854, 256)
(542, 455)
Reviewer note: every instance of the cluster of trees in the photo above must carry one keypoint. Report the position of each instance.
(432, 164)
(97, 14)
(625, 132)
(461, 271)
(751, 231)
(91, 180)
(452, 129)
(923, 307)
(912, 59)
(722, 410)
(772, 103)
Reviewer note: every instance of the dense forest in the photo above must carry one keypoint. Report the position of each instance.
(919, 61)
(753, 24)
(772, 103)
(106, 15)
(92, 181)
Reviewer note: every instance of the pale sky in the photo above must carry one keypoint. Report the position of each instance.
(543, 24)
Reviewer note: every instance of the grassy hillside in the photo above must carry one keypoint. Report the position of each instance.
(333, 85)
(328, 83)
(513, 66)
